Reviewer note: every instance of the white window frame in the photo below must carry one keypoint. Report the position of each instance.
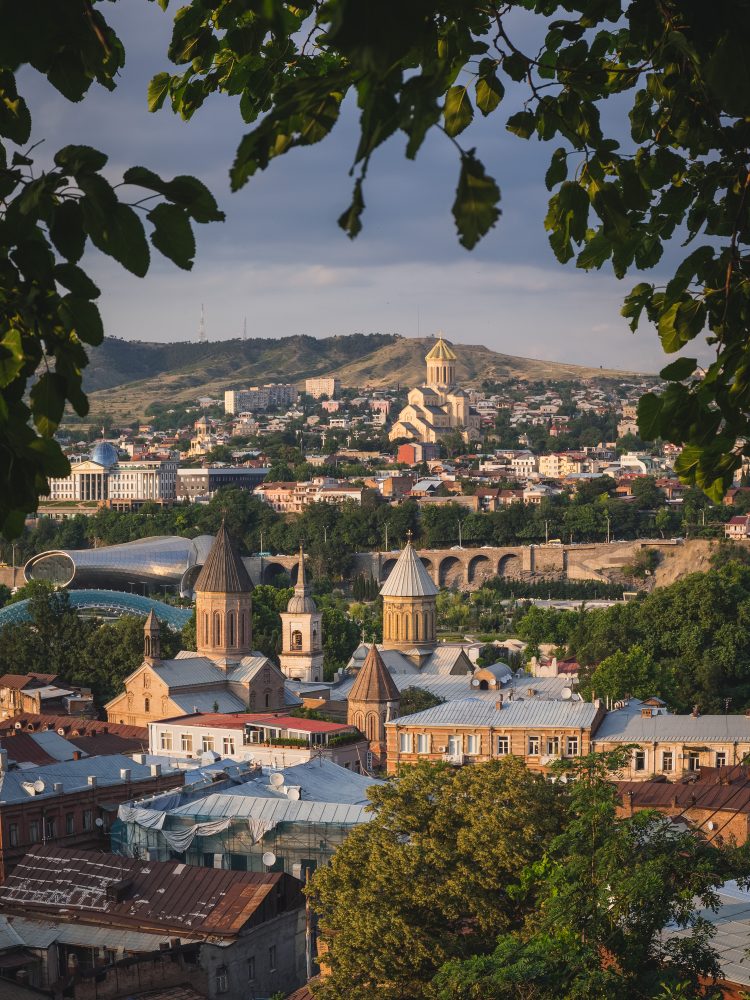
(473, 744)
(165, 739)
(503, 746)
(571, 745)
(667, 758)
(405, 743)
(228, 745)
(423, 742)
(534, 744)
(186, 742)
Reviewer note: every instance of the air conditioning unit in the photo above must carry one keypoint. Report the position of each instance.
(442, 749)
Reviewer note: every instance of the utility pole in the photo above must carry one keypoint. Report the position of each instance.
(202, 327)
(386, 536)
(546, 532)
(460, 544)
(607, 517)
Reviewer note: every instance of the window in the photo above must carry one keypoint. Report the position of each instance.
(50, 828)
(13, 834)
(166, 740)
(146, 705)
(296, 639)
(251, 969)
(186, 742)
(503, 745)
(404, 742)
(423, 743)
(228, 745)
(553, 746)
(534, 743)
(473, 744)
(455, 745)
(34, 831)
(222, 980)
(694, 761)
(88, 819)
(721, 759)
(272, 958)
(639, 760)
(667, 760)
(70, 823)
(572, 746)
(207, 744)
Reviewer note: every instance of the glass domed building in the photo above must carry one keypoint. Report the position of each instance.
(105, 454)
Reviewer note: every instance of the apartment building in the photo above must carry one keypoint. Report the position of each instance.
(273, 395)
(327, 385)
(292, 498)
(194, 483)
(470, 730)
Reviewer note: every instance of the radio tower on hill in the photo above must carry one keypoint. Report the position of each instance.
(202, 327)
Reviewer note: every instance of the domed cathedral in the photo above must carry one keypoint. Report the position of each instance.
(223, 674)
(440, 406)
(302, 632)
(373, 700)
(223, 604)
(409, 604)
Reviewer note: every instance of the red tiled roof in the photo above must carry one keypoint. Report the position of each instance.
(105, 744)
(25, 750)
(70, 724)
(720, 788)
(21, 680)
(94, 887)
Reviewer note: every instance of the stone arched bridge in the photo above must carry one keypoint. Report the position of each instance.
(468, 568)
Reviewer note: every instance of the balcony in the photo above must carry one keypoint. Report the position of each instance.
(457, 759)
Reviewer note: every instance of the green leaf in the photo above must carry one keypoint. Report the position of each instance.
(76, 281)
(188, 192)
(77, 160)
(12, 357)
(489, 93)
(635, 303)
(158, 89)
(351, 220)
(558, 168)
(680, 369)
(172, 234)
(475, 208)
(458, 111)
(82, 318)
(15, 120)
(522, 124)
(48, 402)
(727, 72)
(649, 413)
(120, 234)
(67, 231)
(51, 455)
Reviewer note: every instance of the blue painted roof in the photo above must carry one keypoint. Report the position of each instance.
(115, 602)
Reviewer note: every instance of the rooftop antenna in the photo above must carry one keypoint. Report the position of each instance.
(244, 328)
(202, 327)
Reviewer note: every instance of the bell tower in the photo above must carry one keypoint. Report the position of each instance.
(441, 365)
(223, 604)
(151, 637)
(302, 634)
(409, 604)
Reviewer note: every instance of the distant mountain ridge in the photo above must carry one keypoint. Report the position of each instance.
(124, 376)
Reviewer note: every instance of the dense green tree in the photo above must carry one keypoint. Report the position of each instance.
(428, 878)
(596, 903)
(634, 673)
(415, 699)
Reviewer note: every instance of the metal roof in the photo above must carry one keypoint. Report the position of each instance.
(169, 895)
(373, 683)
(223, 571)
(207, 701)
(513, 715)
(732, 925)
(628, 726)
(115, 602)
(73, 775)
(409, 577)
(440, 352)
(42, 933)
(281, 810)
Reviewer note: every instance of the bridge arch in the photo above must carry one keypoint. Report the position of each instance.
(276, 574)
(509, 565)
(479, 569)
(386, 569)
(450, 572)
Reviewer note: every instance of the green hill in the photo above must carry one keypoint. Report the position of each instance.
(125, 376)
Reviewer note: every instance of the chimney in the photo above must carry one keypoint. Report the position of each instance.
(499, 703)
(125, 773)
(76, 755)
(92, 780)
(3, 761)
(696, 711)
(155, 770)
(628, 803)
(58, 787)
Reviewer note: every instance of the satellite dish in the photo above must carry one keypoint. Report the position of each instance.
(61, 731)
(18, 725)
(475, 682)
(98, 821)
(269, 859)
(567, 693)
(277, 779)
(711, 825)
(39, 786)
(294, 794)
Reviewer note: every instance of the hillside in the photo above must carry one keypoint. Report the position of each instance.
(125, 376)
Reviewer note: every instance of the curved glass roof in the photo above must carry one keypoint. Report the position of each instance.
(114, 603)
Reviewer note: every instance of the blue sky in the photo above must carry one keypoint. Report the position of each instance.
(281, 262)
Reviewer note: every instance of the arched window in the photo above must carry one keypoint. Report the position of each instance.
(217, 628)
(406, 625)
(230, 629)
(372, 726)
(148, 645)
(315, 638)
(416, 626)
(243, 626)
(268, 699)
(205, 629)
(296, 639)
(146, 705)
(427, 633)
(395, 626)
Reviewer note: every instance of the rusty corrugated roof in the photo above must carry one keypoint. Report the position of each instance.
(162, 895)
